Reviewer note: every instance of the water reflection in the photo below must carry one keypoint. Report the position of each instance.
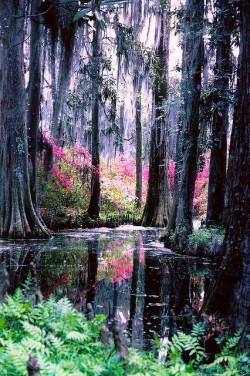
(125, 273)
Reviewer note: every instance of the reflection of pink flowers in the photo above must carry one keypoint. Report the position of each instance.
(117, 269)
(118, 263)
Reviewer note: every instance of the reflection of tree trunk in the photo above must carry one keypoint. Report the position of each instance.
(4, 278)
(155, 305)
(134, 283)
(92, 270)
(115, 300)
(180, 300)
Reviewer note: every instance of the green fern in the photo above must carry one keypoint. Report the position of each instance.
(80, 337)
(54, 341)
(65, 343)
(26, 285)
(198, 331)
(32, 330)
(231, 342)
(183, 342)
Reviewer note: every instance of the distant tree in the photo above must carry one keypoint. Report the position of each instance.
(156, 210)
(229, 293)
(18, 216)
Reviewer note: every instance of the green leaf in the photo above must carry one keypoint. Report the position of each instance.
(81, 14)
(85, 11)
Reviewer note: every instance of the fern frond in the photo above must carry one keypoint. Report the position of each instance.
(80, 337)
(26, 284)
(14, 360)
(54, 341)
(32, 330)
(65, 306)
(231, 343)
(198, 330)
(40, 315)
(222, 360)
(33, 345)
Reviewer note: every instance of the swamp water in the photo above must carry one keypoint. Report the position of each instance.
(125, 272)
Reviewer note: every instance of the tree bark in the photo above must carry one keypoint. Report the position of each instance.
(229, 293)
(156, 209)
(192, 74)
(34, 95)
(138, 156)
(218, 159)
(94, 205)
(58, 16)
(18, 218)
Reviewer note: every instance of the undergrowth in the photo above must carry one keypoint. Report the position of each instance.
(65, 343)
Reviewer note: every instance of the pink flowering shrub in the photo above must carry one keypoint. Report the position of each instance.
(201, 190)
(118, 183)
(67, 187)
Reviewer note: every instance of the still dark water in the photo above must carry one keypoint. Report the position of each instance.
(125, 272)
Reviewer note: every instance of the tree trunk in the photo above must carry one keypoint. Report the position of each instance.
(156, 209)
(94, 205)
(58, 16)
(34, 94)
(192, 73)
(138, 188)
(218, 159)
(18, 218)
(178, 163)
(229, 293)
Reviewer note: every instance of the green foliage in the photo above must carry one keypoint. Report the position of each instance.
(190, 345)
(187, 356)
(65, 343)
(204, 236)
(62, 340)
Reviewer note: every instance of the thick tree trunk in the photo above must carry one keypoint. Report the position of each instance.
(218, 159)
(94, 205)
(192, 76)
(18, 218)
(229, 293)
(156, 211)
